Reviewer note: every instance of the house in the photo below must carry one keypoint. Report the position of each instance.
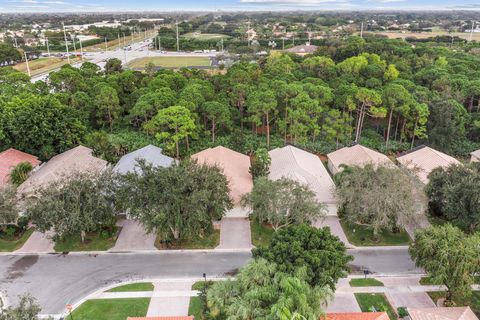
(356, 155)
(9, 159)
(475, 156)
(422, 160)
(235, 167)
(162, 318)
(303, 50)
(150, 154)
(357, 316)
(306, 168)
(453, 313)
(64, 165)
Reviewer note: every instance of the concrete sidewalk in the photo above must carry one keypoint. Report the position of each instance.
(174, 299)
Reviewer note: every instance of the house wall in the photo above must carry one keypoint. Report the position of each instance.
(331, 167)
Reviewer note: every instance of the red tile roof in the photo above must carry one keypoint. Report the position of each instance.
(161, 318)
(9, 159)
(358, 316)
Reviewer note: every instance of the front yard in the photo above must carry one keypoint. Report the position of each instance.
(473, 302)
(206, 242)
(94, 241)
(111, 309)
(368, 282)
(369, 302)
(261, 234)
(15, 240)
(132, 287)
(362, 236)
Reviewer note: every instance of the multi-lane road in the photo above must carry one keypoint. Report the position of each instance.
(56, 280)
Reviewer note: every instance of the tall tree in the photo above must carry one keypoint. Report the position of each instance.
(108, 105)
(261, 104)
(368, 100)
(218, 113)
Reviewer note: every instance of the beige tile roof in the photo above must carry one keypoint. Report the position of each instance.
(235, 166)
(78, 159)
(304, 167)
(424, 159)
(455, 313)
(357, 155)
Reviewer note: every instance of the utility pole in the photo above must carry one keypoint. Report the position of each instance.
(15, 39)
(106, 45)
(222, 44)
(48, 47)
(124, 41)
(26, 60)
(178, 42)
(361, 30)
(66, 43)
(81, 49)
(471, 32)
(119, 41)
(74, 45)
(159, 43)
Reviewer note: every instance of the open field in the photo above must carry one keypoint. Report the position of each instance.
(204, 36)
(423, 35)
(115, 44)
(171, 62)
(42, 65)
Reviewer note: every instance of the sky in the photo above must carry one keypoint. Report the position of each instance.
(231, 5)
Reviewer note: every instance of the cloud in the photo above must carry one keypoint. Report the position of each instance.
(386, 1)
(297, 2)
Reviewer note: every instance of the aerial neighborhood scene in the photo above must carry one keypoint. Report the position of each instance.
(240, 160)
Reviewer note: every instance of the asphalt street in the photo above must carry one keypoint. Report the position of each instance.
(56, 280)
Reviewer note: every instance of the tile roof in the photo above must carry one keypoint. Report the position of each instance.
(358, 316)
(303, 49)
(9, 159)
(151, 154)
(424, 159)
(235, 166)
(455, 313)
(304, 167)
(78, 159)
(356, 155)
(162, 318)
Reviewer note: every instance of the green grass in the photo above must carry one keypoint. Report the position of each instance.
(473, 302)
(199, 285)
(170, 62)
(377, 300)
(204, 36)
(362, 236)
(93, 242)
(111, 309)
(132, 287)
(8, 244)
(261, 234)
(368, 282)
(195, 307)
(208, 242)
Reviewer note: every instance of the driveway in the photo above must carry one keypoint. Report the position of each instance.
(409, 299)
(333, 222)
(235, 233)
(175, 304)
(37, 243)
(134, 237)
(343, 302)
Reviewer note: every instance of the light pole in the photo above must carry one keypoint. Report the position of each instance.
(66, 43)
(26, 61)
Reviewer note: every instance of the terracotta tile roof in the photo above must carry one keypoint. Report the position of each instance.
(306, 168)
(235, 166)
(9, 159)
(78, 159)
(455, 313)
(356, 155)
(162, 318)
(358, 316)
(424, 159)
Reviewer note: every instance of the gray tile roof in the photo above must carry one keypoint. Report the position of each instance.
(151, 154)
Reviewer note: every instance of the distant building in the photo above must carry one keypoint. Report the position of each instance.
(303, 50)
(356, 155)
(9, 159)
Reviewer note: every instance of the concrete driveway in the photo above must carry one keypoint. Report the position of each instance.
(174, 305)
(343, 302)
(333, 222)
(235, 234)
(134, 237)
(37, 243)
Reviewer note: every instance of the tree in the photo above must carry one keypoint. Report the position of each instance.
(397, 100)
(27, 309)
(113, 65)
(454, 194)
(368, 101)
(262, 292)
(108, 105)
(8, 207)
(260, 163)
(283, 202)
(172, 124)
(261, 103)
(149, 104)
(359, 189)
(321, 253)
(76, 205)
(449, 257)
(20, 173)
(218, 113)
(177, 202)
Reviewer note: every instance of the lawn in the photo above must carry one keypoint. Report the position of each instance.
(132, 287)
(474, 302)
(208, 242)
(195, 307)
(362, 236)
(205, 36)
(170, 62)
(111, 309)
(94, 241)
(368, 282)
(199, 285)
(12, 243)
(43, 65)
(261, 234)
(376, 300)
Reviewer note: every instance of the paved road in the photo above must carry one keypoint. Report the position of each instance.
(56, 280)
